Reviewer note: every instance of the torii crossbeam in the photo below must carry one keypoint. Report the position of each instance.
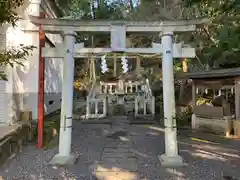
(57, 26)
(118, 31)
(80, 51)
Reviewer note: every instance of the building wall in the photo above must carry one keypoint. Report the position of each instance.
(7, 95)
(53, 69)
(22, 86)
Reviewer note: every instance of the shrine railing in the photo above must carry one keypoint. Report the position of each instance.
(141, 91)
(116, 87)
(108, 87)
(96, 107)
(145, 100)
(132, 87)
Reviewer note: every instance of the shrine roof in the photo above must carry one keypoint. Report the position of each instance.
(217, 73)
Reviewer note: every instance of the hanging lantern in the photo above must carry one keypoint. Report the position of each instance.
(104, 64)
(124, 64)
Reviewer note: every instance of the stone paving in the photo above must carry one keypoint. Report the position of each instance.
(125, 152)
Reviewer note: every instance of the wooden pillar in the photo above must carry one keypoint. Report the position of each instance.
(87, 108)
(138, 65)
(144, 107)
(193, 93)
(105, 106)
(96, 107)
(136, 105)
(41, 86)
(193, 118)
(93, 69)
(237, 99)
(115, 66)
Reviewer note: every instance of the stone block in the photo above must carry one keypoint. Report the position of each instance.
(23, 134)
(236, 127)
(16, 142)
(217, 126)
(5, 149)
(14, 146)
(26, 116)
(63, 160)
(229, 126)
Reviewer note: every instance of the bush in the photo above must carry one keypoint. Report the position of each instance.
(159, 105)
(183, 119)
(202, 101)
(51, 130)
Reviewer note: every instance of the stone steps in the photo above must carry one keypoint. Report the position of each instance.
(117, 155)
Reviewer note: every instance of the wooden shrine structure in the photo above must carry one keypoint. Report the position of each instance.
(222, 113)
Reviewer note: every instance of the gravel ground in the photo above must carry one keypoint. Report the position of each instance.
(207, 160)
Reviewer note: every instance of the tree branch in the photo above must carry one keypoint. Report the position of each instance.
(209, 35)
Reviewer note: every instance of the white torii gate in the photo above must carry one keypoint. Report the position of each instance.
(69, 50)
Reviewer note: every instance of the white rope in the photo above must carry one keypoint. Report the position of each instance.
(104, 64)
(124, 64)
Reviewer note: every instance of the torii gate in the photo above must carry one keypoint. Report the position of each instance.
(69, 50)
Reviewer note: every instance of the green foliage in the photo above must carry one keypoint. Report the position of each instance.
(149, 74)
(201, 101)
(81, 78)
(51, 126)
(159, 104)
(96, 9)
(183, 119)
(217, 42)
(8, 12)
(14, 56)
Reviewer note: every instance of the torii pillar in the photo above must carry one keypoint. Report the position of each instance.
(64, 157)
(171, 157)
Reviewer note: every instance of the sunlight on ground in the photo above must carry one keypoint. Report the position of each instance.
(123, 138)
(153, 133)
(114, 174)
(139, 153)
(146, 125)
(179, 174)
(200, 140)
(230, 155)
(210, 147)
(208, 155)
(156, 128)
